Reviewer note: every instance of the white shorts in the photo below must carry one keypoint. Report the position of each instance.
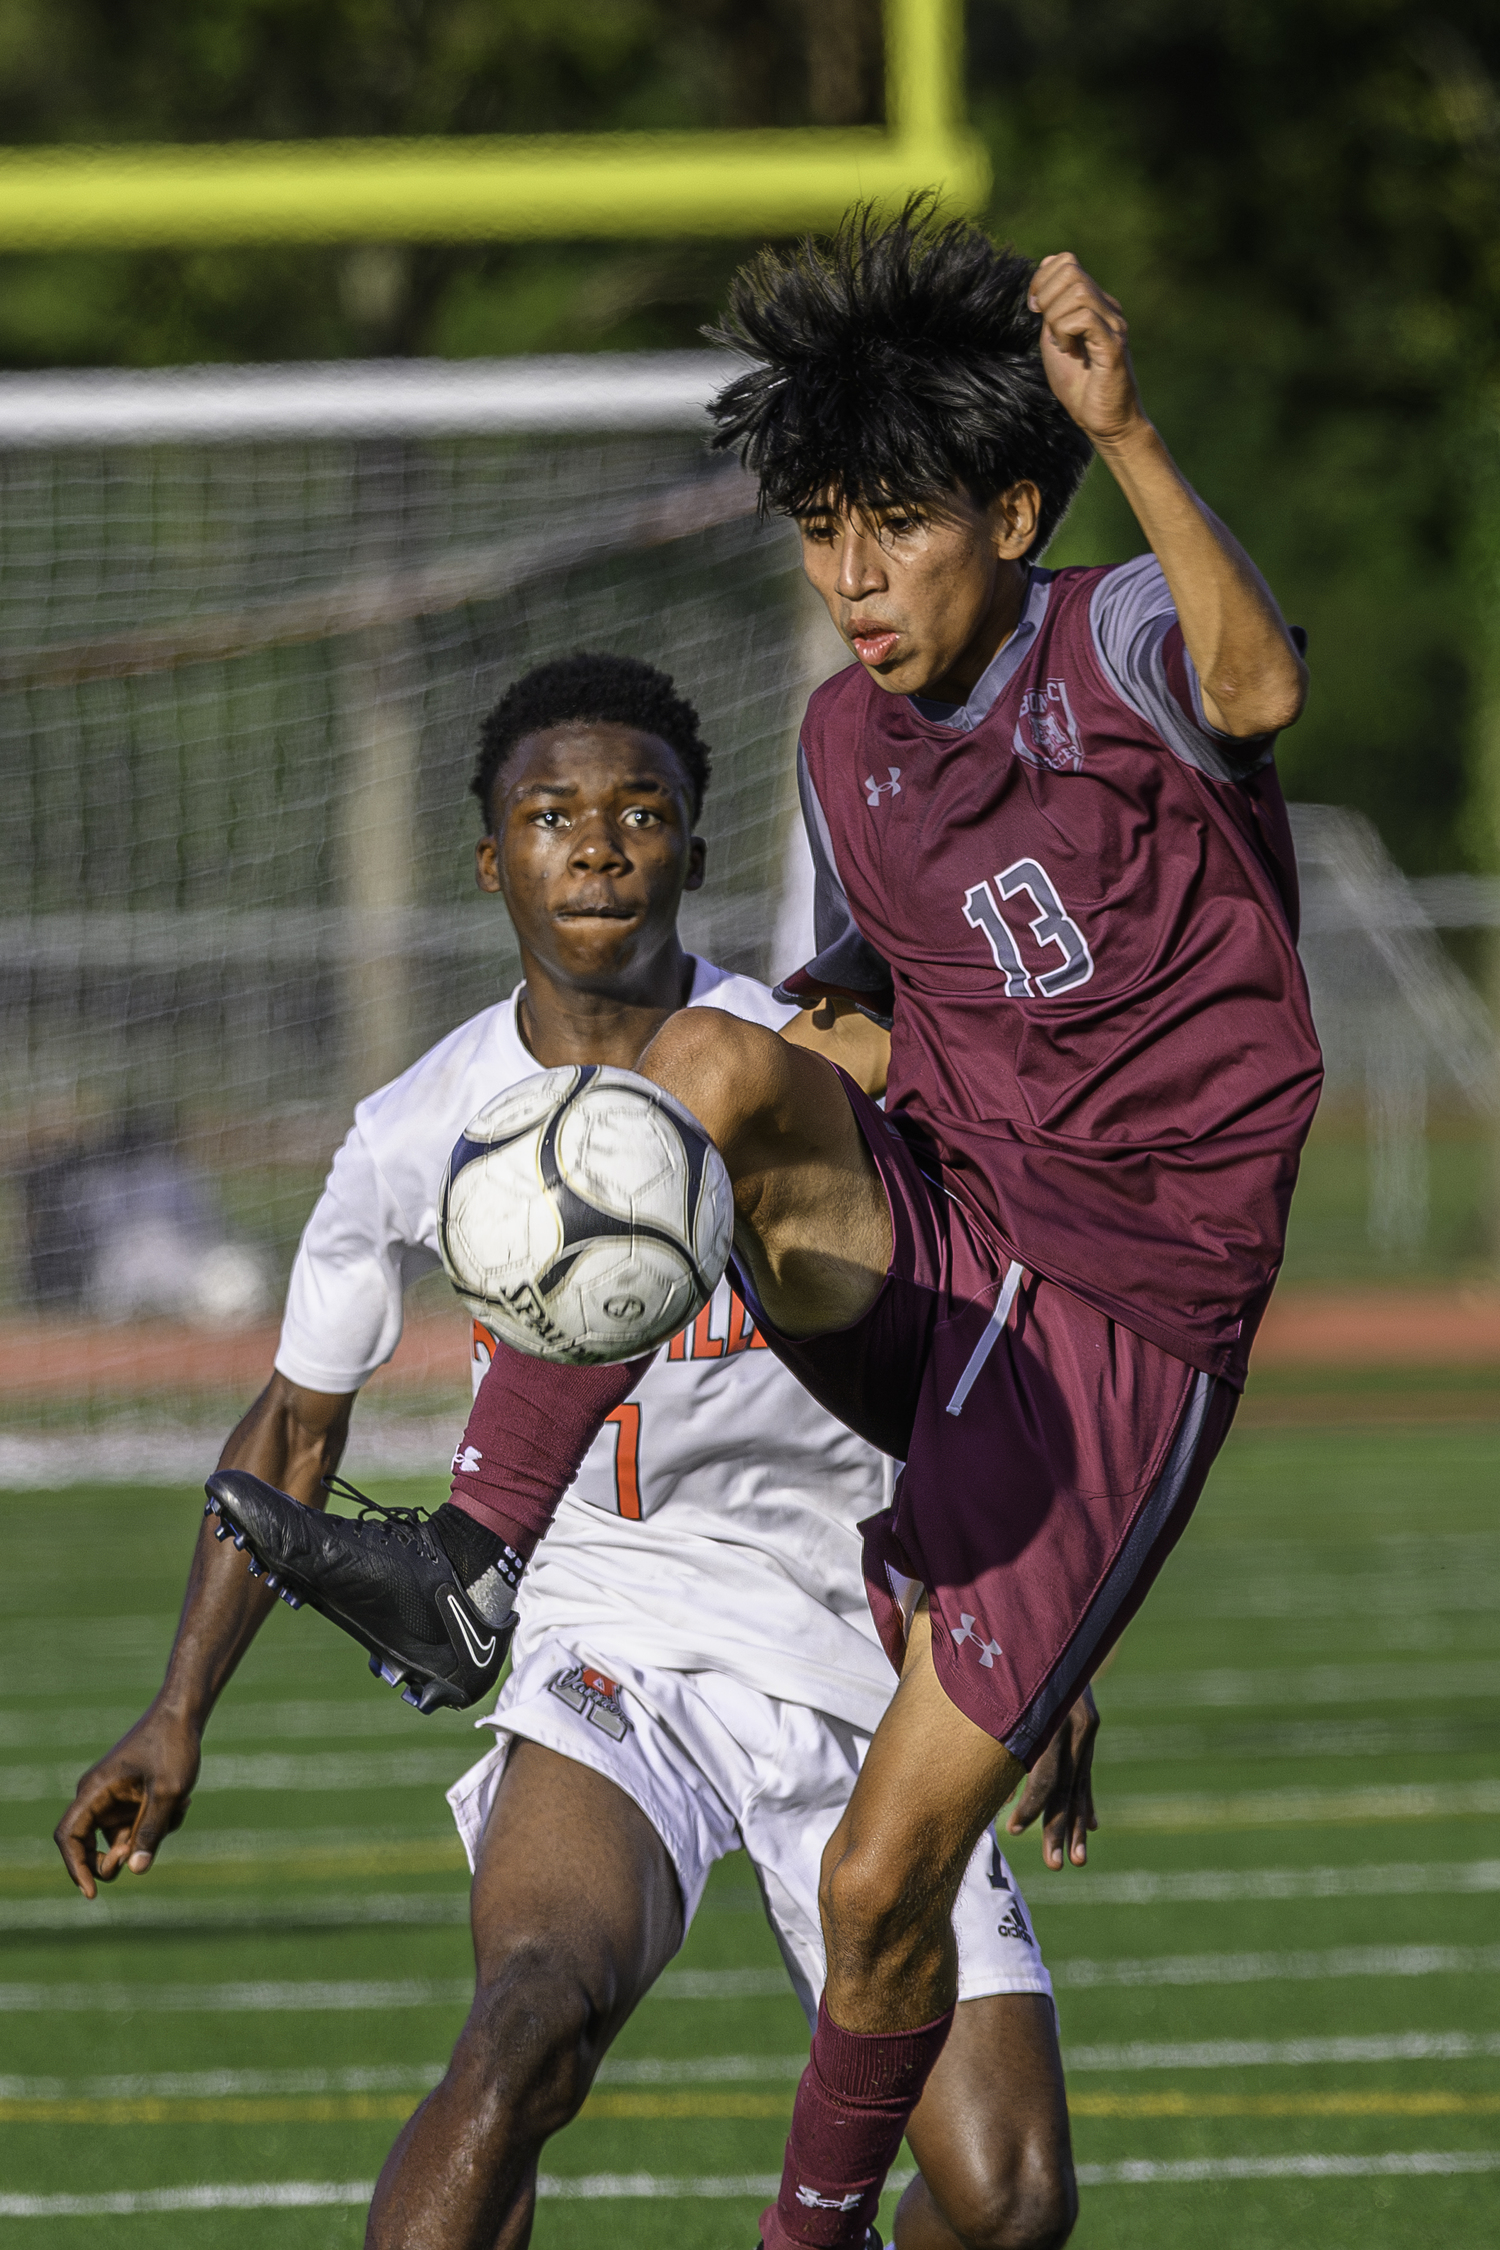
(715, 1765)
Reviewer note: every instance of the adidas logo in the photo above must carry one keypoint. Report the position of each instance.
(1013, 1924)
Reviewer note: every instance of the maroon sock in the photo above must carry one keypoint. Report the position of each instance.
(528, 1431)
(857, 2092)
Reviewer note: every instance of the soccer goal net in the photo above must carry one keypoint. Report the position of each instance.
(1409, 1048)
(249, 621)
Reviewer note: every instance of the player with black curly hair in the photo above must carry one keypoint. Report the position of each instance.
(695, 1666)
(587, 690)
(1052, 854)
(894, 368)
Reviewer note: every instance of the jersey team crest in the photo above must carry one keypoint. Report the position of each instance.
(1046, 732)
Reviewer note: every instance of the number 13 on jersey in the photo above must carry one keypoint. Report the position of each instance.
(1050, 925)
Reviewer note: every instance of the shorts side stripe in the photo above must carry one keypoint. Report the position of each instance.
(987, 1342)
(1061, 1682)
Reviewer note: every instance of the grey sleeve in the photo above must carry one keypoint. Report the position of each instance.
(1132, 613)
(845, 961)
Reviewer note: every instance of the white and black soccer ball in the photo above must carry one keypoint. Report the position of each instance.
(585, 1215)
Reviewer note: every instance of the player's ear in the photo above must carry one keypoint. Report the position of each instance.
(1014, 516)
(697, 863)
(487, 864)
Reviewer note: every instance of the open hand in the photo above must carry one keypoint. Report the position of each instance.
(1086, 350)
(1060, 1788)
(137, 1794)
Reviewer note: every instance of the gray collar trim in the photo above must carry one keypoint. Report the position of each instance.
(993, 681)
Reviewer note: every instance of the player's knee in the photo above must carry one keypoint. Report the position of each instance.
(1019, 2196)
(878, 1916)
(716, 1064)
(525, 2058)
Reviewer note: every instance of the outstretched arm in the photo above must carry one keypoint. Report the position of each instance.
(1252, 679)
(139, 1791)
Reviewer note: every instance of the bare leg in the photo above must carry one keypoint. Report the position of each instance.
(576, 1912)
(991, 2135)
(931, 1785)
(812, 1222)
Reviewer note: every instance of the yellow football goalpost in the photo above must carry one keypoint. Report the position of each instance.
(518, 187)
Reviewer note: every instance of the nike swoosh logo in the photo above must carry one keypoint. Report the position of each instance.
(480, 1652)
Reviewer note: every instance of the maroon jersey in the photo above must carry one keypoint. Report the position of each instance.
(1076, 903)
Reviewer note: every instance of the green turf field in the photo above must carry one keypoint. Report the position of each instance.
(1285, 1949)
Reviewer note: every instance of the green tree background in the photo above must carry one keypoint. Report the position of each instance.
(1296, 201)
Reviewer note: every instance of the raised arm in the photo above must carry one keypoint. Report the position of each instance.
(1252, 679)
(139, 1791)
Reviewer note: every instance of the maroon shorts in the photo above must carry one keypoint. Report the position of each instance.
(1052, 1457)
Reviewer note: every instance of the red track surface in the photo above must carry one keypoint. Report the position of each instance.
(49, 1359)
(1350, 1328)
(1334, 1329)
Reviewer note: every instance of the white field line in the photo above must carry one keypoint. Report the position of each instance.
(387, 2078)
(1265, 1968)
(1254, 2054)
(1211, 1886)
(746, 1984)
(213, 1846)
(259, 2195)
(1217, 1885)
(233, 1999)
(1298, 1808)
(1415, 2163)
(719, 2070)
(1295, 1741)
(706, 2070)
(600, 2187)
(721, 1984)
(206, 2085)
(433, 1909)
(409, 1992)
(322, 1771)
(702, 2070)
(1401, 1682)
(309, 1719)
(317, 1717)
(143, 1453)
(1256, 1808)
(1297, 1687)
(318, 1771)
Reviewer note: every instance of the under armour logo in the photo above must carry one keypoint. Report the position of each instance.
(875, 790)
(467, 1460)
(810, 2200)
(988, 1650)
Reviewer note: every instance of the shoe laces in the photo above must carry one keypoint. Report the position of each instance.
(400, 1521)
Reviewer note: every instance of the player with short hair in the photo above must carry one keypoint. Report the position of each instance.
(1051, 849)
(696, 1664)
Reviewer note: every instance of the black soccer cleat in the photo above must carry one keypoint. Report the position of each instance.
(383, 1577)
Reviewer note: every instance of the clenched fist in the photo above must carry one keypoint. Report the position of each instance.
(1086, 351)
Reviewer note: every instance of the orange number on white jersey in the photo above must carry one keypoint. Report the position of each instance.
(627, 1421)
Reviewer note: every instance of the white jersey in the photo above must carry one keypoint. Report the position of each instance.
(712, 1526)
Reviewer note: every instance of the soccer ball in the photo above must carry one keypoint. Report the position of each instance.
(585, 1215)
